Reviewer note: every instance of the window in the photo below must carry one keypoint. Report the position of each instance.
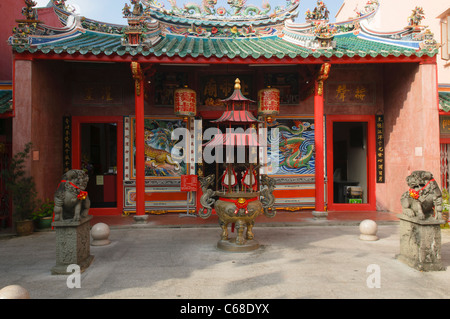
(445, 34)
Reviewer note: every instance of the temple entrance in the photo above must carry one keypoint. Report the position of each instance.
(98, 151)
(350, 163)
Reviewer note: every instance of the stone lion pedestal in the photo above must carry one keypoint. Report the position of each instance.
(420, 243)
(72, 245)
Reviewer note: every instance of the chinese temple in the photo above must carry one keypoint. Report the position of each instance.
(349, 111)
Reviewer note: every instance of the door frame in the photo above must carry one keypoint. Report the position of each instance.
(370, 166)
(443, 140)
(76, 157)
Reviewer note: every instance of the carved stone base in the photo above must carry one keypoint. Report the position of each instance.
(420, 243)
(140, 219)
(320, 215)
(72, 245)
(231, 246)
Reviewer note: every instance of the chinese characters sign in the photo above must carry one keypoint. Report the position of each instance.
(379, 126)
(67, 141)
(97, 94)
(350, 93)
(215, 88)
(444, 125)
(188, 183)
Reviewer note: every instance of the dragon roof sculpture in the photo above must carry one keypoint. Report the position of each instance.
(237, 13)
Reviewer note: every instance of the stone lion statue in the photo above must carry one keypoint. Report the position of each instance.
(71, 199)
(423, 200)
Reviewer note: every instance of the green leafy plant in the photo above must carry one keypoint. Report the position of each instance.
(445, 207)
(20, 187)
(445, 200)
(44, 210)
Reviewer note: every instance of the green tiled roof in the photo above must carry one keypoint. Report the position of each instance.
(174, 45)
(444, 101)
(80, 42)
(5, 101)
(351, 45)
(98, 43)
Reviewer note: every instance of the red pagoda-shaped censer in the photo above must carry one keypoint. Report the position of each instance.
(241, 193)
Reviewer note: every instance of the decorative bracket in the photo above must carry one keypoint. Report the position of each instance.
(323, 76)
(138, 76)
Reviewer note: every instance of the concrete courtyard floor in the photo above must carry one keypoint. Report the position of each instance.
(312, 261)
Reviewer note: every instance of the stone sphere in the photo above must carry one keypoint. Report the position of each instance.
(14, 292)
(100, 234)
(368, 229)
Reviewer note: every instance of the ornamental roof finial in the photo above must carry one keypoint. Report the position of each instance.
(237, 85)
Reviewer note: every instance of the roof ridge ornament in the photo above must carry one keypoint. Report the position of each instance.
(60, 4)
(239, 10)
(420, 32)
(324, 33)
(237, 84)
(320, 13)
(428, 43)
(370, 7)
(26, 27)
(29, 12)
(140, 31)
(416, 17)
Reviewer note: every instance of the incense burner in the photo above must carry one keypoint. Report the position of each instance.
(241, 193)
(239, 209)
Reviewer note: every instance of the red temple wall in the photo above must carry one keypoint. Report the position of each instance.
(10, 10)
(48, 99)
(412, 130)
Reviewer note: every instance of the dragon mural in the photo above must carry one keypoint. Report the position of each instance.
(295, 141)
(293, 157)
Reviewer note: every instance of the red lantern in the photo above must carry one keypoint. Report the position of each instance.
(268, 102)
(185, 102)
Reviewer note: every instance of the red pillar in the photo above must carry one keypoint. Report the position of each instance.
(140, 155)
(319, 142)
(318, 139)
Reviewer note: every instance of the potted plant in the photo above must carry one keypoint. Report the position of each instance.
(43, 215)
(22, 190)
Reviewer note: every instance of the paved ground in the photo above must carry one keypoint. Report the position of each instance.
(183, 263)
